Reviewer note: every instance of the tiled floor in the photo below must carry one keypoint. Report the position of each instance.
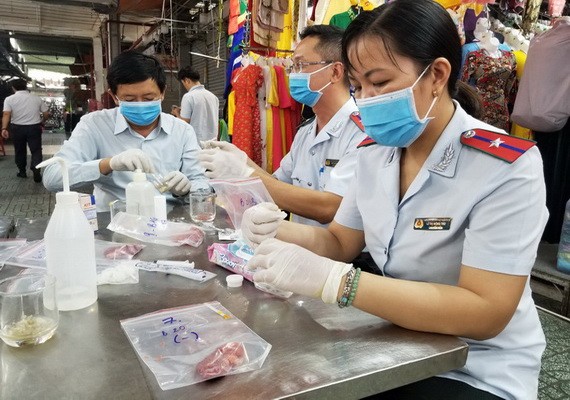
(24, 198)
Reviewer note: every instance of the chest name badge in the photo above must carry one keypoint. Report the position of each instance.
(432, 224)
(329, 162)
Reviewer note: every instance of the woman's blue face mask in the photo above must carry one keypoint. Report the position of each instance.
(141, 113)
(391, 119)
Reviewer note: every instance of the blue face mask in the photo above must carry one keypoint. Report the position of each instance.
(391, 119)
(141, 113)
(300, 89)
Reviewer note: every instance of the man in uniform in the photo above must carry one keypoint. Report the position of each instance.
(315, 174)
(200, 107)
(22, 119)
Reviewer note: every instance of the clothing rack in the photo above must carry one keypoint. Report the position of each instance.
(207, 56)
(266, 49)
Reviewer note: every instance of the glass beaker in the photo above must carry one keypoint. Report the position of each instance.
(28, 309)
(203, 206)
(117, 206)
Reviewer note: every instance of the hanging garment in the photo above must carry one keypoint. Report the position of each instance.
(516, 129)
(246, 132)
(543, 103)
(496, 82)
(344, 19)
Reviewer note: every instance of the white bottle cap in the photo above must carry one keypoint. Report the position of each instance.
(66, 198)
(234, 280)
(139, 176)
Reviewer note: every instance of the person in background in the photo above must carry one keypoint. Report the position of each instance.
(24, 114)
(315, 175)
(436, 200)
(106, 145)
(199, 106)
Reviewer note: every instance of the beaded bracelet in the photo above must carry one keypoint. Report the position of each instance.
(353, 287)
(343, 302)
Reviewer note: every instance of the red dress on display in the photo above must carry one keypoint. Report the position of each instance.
(246, 134)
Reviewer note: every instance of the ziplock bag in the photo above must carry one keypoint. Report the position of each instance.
(234, 257)
(30, 255)
(186, 345)
(237, 195)
(153, 230)
(8, 247)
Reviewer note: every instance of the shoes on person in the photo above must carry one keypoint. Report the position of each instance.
(37, 175)
(22, 174)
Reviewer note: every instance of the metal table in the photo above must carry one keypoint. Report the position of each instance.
(319, 351)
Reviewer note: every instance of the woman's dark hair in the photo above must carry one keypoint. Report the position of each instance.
(420, 30)
(133, 67)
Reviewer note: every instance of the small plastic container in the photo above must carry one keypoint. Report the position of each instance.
(234, 280)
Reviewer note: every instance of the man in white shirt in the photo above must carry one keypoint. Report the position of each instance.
(22, 119)
(200, 107)
(107, 145)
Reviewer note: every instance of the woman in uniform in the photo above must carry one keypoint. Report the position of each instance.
(450, 208)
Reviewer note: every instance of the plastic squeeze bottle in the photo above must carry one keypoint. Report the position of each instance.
(140, 195)
(70, 248)
(563, 263)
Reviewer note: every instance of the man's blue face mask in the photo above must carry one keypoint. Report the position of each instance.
(391, 119)
(141, 113)
(300, 89)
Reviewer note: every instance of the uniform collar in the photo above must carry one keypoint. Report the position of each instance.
(121, 124)
(341, 118)
(443, 158)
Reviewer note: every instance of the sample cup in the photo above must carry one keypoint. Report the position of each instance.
(117, 206)
(28, 309)
(202, 206)
(158, 181)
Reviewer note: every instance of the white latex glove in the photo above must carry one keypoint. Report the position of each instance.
(292, 268)
(178, 184)
(132, 159)
(260, 222)
(224, 160)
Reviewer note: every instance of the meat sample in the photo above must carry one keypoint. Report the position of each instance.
(194, 237)
(222, 361)
(125, 252)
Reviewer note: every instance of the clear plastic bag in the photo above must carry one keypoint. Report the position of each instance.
(8, 247)
(237, 195)
(153, 230)
(234, 257)
(186, 345)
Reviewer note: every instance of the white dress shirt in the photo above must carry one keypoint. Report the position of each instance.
(202, 108)
(172, 146)
(26, 108)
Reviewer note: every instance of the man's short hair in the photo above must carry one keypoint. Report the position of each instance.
(188, 73)
(134, 67)
(330, 40)
(19, 84)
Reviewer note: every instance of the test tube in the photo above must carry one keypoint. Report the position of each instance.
(158, 182)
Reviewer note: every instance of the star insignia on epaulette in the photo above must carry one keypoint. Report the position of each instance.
(500, 145)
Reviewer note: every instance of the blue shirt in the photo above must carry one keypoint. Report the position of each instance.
(491, 215)
(172, 146)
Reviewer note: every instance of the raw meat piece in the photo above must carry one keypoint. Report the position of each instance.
(125, 252)
(222, 360)
(194, 237)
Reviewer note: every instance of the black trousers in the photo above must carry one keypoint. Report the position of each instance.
(30, 135)
(435, 388)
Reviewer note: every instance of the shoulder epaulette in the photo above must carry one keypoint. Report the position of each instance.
(366, 142)
(306, 122)
(500, 145)
(355, 117)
